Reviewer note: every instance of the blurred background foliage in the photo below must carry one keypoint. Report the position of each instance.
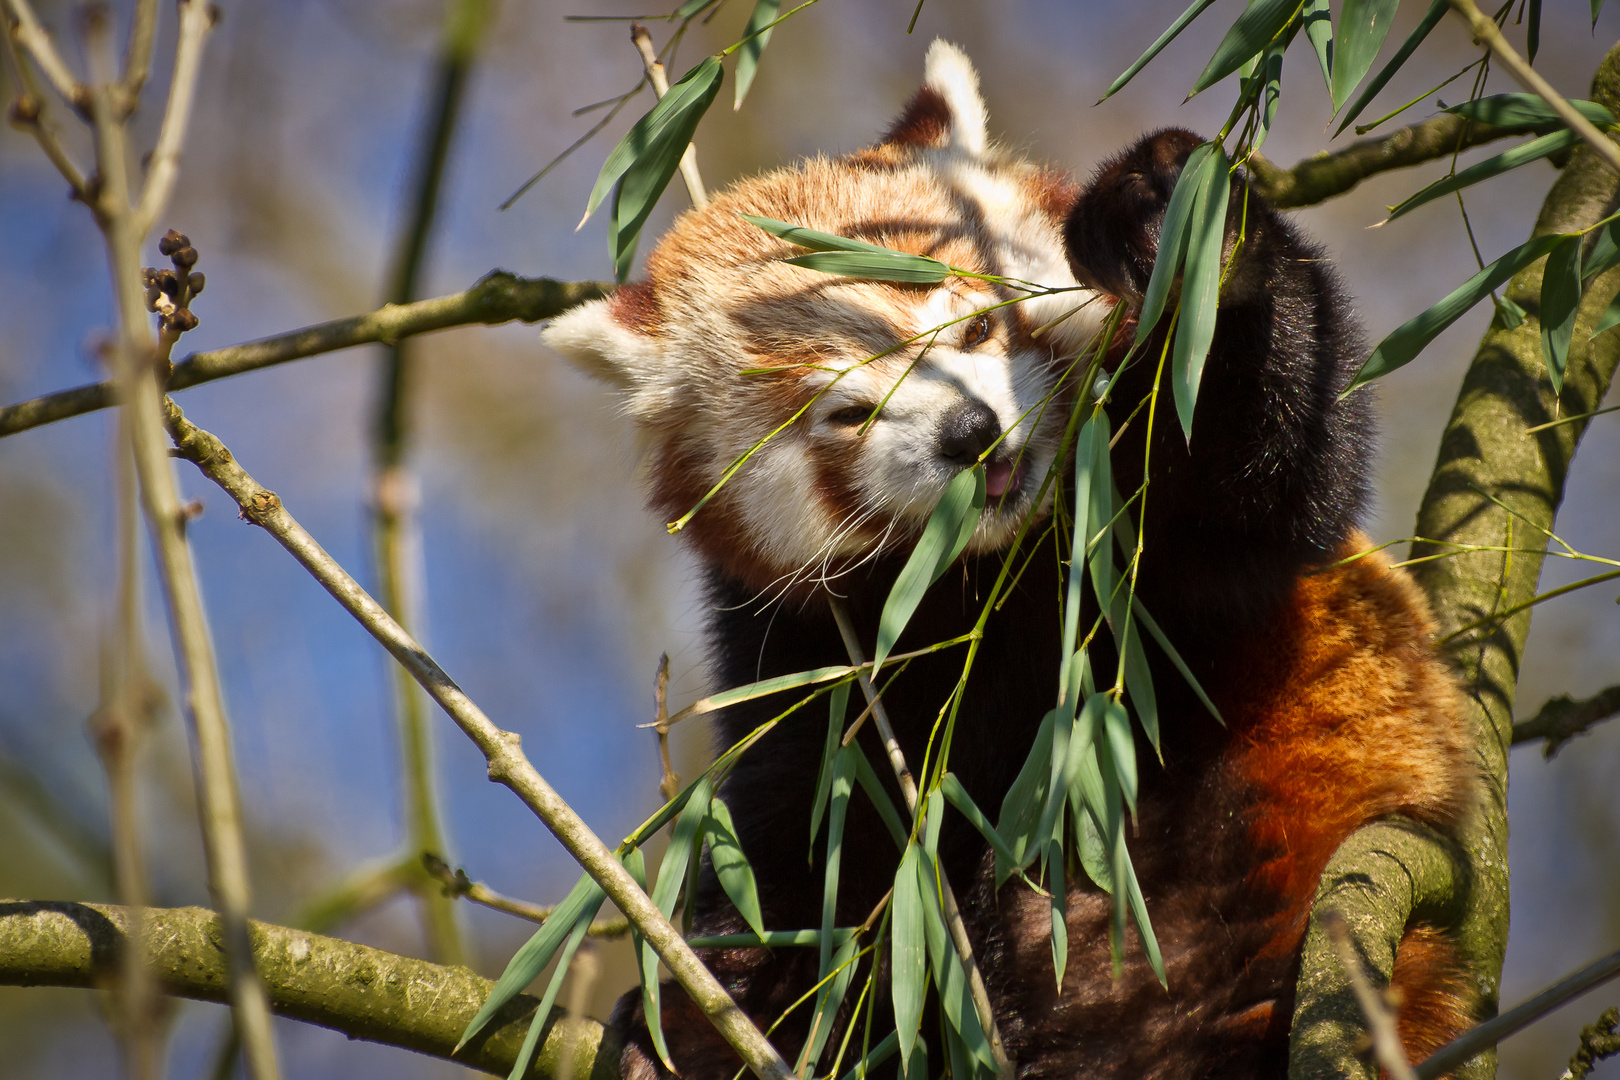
(549, 592)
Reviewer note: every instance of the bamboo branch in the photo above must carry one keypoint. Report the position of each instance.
(197, 18)
(498, 297)
(1485, 30)
(1317, 179)
(641, 38)
(364, 993)
(1562, 718)
(507, 764)
(908, 788)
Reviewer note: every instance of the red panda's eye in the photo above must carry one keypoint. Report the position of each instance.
(978, 332)
(850, 415)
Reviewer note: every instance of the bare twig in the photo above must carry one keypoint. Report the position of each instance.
(1386, 1041)
(27, 113)
(138, 53)
(908, 789)
(497, 298)
(507, 764)
(36, 41)
(1485, 31)
(642, 40)
(363, 992)
(1324, 176)
(196, 20)
(1562, 718)
(1451, 1056)
(457, 883)
(669, 784)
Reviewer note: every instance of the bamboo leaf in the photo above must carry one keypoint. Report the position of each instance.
(1431, 19)
(1116, 725)
(1605, 251)
(1182, 21)
(881, 1053)
(1534, 150)
(841, 784)
(585, 897)
(531, 1040)
(838, 711)
(764, 688)
(1611, 318)
(775, 939)
(959, 798)
(868, 779)
(1363, 25)
(908, 955)
(1142, 616)
(1101, 512)
(1318, 22)
(949, 528)
(955, 999)
(765, 12)
(1254, 29)
(1021, 806)
(1173, 237)
(1144, 925)
(1059, 902)
(828, 1001)
(1560, 296)
(1270, 90)
(1411, 337)
(1089, 847)
(1201, 287)
(644, 160)
(672, 874)
(1139, 684)
(800, 236)
(1532, 31)
(892, 266)
(1597, 9)
(731, 864)
(1527, 110)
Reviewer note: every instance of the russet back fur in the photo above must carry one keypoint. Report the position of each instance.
(1337, 711)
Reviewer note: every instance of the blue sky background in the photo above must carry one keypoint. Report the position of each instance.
(550, 593)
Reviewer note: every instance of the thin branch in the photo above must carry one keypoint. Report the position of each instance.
(498, 297)
(1317, 179)
(457, 883)
(507, 764)
(197, 18)
(1451, 1056)
(364, 993)
(36, 41)
(908, 788)
(1485, 30)
(1599, 1040)
(669, 784)
(138, 53)
(1562, 718)
(642, 39)
(27, 113)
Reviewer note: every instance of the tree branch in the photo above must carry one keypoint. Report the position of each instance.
(507, 764)
(1383, 876)
(498, 297)
(363, 992)
(197, 18)
(1484, 448)
(36, 42)
(1562, 718)
(1319, 178)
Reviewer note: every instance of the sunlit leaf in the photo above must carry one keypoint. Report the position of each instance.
(692, 8)
(1605, 251)
(1059, 891)
(1270, 92)
(1431, 19)
(1560, 296)
(1534, 150)
(1116, 724)
(1089, 847)
(959, 798)
(1510, 315)
(1527, 110)
(949, 528)
(890, 266)
(1100, 493)
(829, 999)
(584, 899)
(1610, 319)
(908, 953)
(955, 999)
(531, 1040)
(1403, 345)
(1175, 28)
(1363, 25)
(1201, 287)
(1173, 237)
(1318, 22)
(838, 710)
(1139, 682)
(1254, 29)
(1144, 925)
(731, 865)
(868, 779)
(1021, 806)
(685, 838)
(754, 41)
(648, 155)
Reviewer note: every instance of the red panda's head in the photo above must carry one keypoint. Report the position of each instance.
(719, 306)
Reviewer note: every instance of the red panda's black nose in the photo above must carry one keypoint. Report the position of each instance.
(967, 431)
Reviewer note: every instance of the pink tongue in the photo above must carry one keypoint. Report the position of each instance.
(997, 479)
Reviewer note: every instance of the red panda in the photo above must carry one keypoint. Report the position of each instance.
(1337, 712)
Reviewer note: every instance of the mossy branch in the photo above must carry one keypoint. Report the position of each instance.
(1562, 718)
(363, 992)
(498, 297)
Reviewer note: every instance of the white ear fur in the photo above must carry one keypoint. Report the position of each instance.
(950, 72)
(591, 339)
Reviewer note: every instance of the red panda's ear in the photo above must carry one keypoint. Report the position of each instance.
(947, 112)
(595, 339)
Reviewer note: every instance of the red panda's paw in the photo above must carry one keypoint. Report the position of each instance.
(1112, 234)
